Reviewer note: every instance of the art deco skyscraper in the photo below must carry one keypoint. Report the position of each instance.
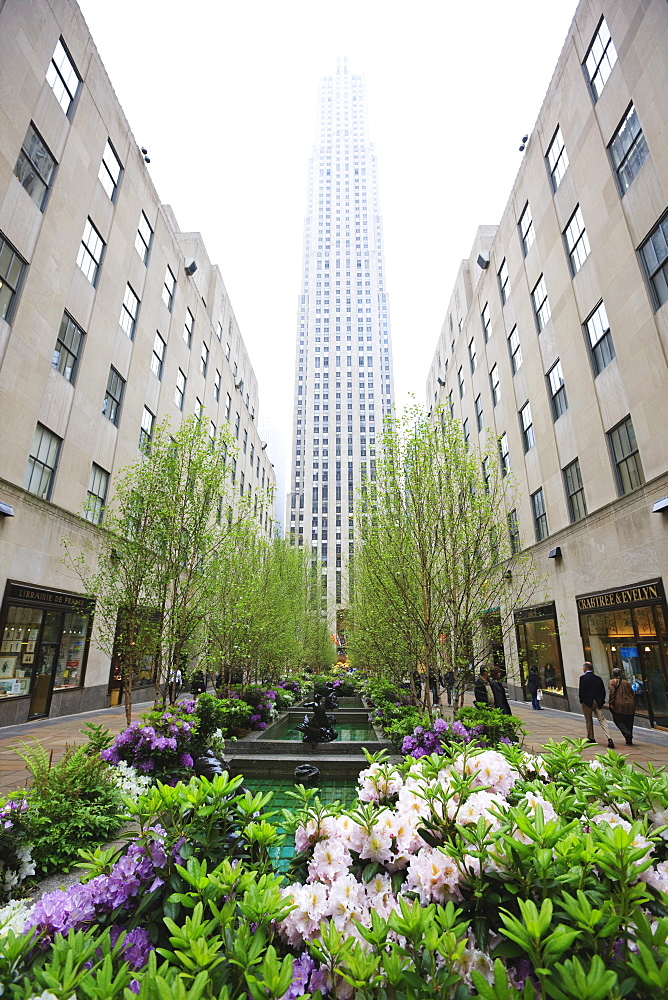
(343, 366)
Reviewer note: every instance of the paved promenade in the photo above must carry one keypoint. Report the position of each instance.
(650, 745)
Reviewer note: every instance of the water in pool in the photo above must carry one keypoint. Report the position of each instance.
(350, 730)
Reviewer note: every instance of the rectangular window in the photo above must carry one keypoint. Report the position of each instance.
(575, 497)
(216, 386)
(35, 167)
(460, 380)
(472, 355)
(541, 303)
(600, 58)
(486, 322)
(110, 171)
(113, 397)
(478, 412)
(654, 252)
(97, 494)
(158, 356)
(68, 348)
(467, 432)
(515, 350)
(212, 432)
(557, 159)
(527, 233)
(144, 238)
(451, 403)
(577, 241)
(539, 514)
(42, 462)
(204, 359)
(62, 77)
(555, 381)
(513, 531)
(626, 457)
(188, 327)
(146, 430)
(601, 348)
(168, 288)
(526, 423)
(228, 405)
(237, 424)
(11, 272)
(628, 149)
(90, 252)
(198, 407)
(495, 385)
(180, 389)
(129, 312)
(504, 282)
(245, 444)
(504, 454)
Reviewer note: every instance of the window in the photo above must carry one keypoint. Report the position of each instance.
(504, 282)
(486, 322)
(628, 149)
(216, 386)
(513, 531)
(539, 514)
(146, 430)
(111, 406)
(654, 252)
(515, 350)
(237, 423)
(143, 238)
(626, 457)
(168, 288)
(110, 171)
(495, 385)
(62, 77)
(555, 381)
(90, 252)
(97, 494)
(526, 423)
(11, 271)
(577, 242)
(129, 311)
(34, 167)
(575, 497)
(478, 412)
(451, 403)
(504, 454)
(541, 303)
(204, 359)
(557, 159)
(601, 348)
(68, 348)
(42, 462)
(527, 234)
(467, 432)
(158, 356)
(472, 355)
(180, 390)
(460, 381)
(228, 405)
(601, 57)
(198, 407)
(212, 433)
(188, 326)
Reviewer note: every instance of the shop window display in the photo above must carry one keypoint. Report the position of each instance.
(538, 646)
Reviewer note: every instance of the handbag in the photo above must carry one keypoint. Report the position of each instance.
(539, 694)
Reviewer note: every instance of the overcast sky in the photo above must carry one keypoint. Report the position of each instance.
(223, 93)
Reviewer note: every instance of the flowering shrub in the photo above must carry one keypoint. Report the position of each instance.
(162, 748)
(229, 716)
(15, 858)
(262, 702)
(492, 725)
(424, 741)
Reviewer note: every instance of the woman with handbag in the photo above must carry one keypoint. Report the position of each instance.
(533, 684)
(622, 703)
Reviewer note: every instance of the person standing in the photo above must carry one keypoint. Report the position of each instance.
(499, 692)
(450, 685)
(483, 695)
(622, 703)
(533, 684)
(592, 698)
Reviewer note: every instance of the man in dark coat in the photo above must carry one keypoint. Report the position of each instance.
(592, 699)
(483, 695)
(499, 692)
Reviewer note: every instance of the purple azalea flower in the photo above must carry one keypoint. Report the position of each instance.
(186, 760)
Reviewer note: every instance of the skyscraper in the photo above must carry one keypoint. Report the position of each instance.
(343, 365)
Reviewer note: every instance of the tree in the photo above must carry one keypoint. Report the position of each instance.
(438, 573)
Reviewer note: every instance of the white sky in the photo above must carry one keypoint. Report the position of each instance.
(223, 94)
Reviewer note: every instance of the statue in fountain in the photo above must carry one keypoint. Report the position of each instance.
(331, 701)
(320, 728)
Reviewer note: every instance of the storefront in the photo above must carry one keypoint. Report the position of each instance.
(44, 639)
(538, 646)
(626, 628)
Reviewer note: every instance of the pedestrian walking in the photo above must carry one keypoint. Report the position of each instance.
(450, 685)
(533, 684)
(592, 698)
(198, 685)
(483, 695)
(622, 704)
(499, 692)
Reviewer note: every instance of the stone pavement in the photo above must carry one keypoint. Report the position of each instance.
(650, 745)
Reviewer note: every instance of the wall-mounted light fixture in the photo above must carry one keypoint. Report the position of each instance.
(440, 380)
(483, 261)
(554, 553)
(191, 267)
(6, 509)
(660, 506)
(525, 139)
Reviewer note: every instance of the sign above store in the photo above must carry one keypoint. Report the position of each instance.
(645, 593)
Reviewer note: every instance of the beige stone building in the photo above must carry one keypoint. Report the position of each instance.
(111, 321)
(555, 342)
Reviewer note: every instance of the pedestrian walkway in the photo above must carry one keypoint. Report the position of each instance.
(650, 746)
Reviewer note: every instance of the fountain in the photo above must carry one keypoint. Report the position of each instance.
(319, 729)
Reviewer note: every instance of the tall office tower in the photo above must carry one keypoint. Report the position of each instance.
(343, 366)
